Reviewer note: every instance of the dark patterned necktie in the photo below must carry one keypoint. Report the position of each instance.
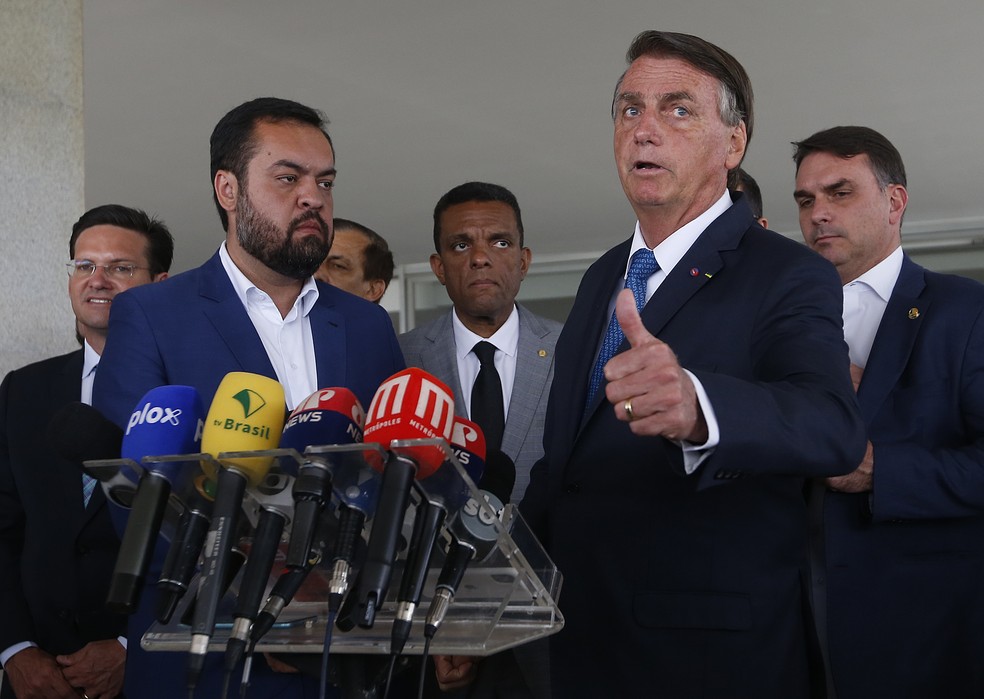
(642, 267)
(486, 397)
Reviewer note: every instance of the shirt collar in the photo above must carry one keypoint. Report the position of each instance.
(882, 277)
(672, 250)
(91, 359)
(505, 339)
(245, 288)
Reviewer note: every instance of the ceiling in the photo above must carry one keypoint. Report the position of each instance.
(423, 95)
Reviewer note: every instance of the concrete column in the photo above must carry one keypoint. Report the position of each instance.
(41, 171)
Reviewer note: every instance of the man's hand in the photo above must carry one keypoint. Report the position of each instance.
(455, 671)
(279, 665)
(96, 669)
(856, 374)
(860, 480)
(648, 387)
(34, 674)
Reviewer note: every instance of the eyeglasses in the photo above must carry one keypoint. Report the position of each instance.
(86, 268)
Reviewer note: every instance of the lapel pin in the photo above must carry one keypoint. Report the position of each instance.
(542, 353)
(694, 271)
(913, 313)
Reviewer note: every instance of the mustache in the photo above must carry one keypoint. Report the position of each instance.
(304, 218)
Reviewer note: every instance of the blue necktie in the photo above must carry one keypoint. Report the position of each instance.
(642, 267)
(88, 482)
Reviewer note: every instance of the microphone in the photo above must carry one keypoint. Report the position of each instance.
(291, 579)
(247, 414)
(167, 420)
(411, 404)
(327, 416)
(473, 535)
(443, 491)
(186, 546)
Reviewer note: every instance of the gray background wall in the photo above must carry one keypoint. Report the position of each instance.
(41, 170)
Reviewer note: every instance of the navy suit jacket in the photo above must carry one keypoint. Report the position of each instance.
(56, 556)
(905, 569)
(695, 586)
(192, 329)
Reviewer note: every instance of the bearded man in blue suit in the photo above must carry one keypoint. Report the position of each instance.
(899, 544)
(254, 307)
(678, 438)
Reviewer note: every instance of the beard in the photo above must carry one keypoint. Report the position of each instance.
(278, 250)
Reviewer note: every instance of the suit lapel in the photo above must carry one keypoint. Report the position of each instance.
(590, 327)
(441, 360)
(65, 386)
(328, 331)
(695, 269)
(230, 319)
(532, 370)
(896, 336)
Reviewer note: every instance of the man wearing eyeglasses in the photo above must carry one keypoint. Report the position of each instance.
(57, 544)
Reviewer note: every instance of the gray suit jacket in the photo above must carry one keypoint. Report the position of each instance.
(431, 347)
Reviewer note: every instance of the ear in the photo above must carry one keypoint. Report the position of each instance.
(159, 277)
(437, 267)
(226, 187)
(764, 222)
(526, 256)
(377, 287)
(737, 145)
(898, 198)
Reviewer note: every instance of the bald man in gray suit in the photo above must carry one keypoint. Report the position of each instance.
(481, 260)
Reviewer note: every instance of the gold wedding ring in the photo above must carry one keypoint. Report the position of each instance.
(628, 410)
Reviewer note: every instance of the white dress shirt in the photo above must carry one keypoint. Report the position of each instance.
(865, 300)
(287, 340)
(506, 342)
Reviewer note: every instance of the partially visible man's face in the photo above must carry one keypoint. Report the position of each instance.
(345, 265)
(92, 296)
(845, 215)
(284, 209)
(481, 262)
(672, 150)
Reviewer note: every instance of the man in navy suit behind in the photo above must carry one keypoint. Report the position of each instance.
(899, 541)
(253, 307)
(678, 438)
(57, 542)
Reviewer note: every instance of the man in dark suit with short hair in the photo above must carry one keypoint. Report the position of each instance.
(899, 542)
(679, 436)
(57, 544)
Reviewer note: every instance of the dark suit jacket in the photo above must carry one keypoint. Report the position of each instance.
(192, 330)
(905, 596)
(431, 347)
(694, 586)
(56, 557)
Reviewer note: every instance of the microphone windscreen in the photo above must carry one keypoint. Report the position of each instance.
(468, 444)
(327, 416)
(78, 432)
(167, 420)
(412, 404)
(500, 475)
(247, 414)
